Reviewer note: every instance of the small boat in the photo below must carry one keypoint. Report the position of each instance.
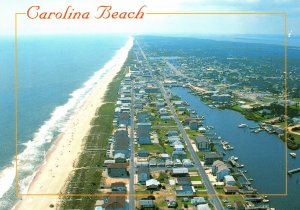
(250, 179)
(242, 125)
(265, 201)
(234, 158)
(219, 137)
(293, 154)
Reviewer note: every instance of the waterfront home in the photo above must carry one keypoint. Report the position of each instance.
(152, 184)
(238, 205)
(181, 108)
(210, 157)
(143, 174)
(222, 98)
(194, 125)
(180, 172)
(124, 119)
(179, 155)
(114, 202)
(118, 187)
(186, 180)
(228, 189)
(178, 103)
(222, 171)
(229, 180)
(215, 166)
(143, 153)
(202, 143)
(119, 158)
(185, 190)
(117, 170)
(146, 204)
(198, 200)
(143, 133)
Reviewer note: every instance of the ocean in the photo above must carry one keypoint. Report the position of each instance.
(54, 74)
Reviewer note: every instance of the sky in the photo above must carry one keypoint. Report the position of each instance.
(156, 24)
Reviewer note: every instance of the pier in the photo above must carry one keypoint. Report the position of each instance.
(293, 171)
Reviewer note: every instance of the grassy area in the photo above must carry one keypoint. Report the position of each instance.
(151, 148)
(87, 178)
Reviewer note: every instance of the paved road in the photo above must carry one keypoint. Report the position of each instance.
(132, 166)
(210, 190)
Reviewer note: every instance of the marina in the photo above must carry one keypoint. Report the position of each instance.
(253, 149)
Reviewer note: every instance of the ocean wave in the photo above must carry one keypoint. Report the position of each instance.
(34, 153)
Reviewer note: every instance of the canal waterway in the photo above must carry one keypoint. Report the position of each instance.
(262, 154)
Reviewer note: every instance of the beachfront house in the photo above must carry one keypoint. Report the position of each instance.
(202, 143)
(120, 158)
(117, 170)
(143, 174)
(118, 187)
(124, 119)
(114, 202)
(121, 143)
(143, 133)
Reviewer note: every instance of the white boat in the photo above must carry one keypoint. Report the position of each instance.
(243, 125)
(265, 201)
(294, 155)
(234, 158)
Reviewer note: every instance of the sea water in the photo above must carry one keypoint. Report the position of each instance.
(54, 74)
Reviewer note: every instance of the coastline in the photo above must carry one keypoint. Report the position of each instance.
(60, 159)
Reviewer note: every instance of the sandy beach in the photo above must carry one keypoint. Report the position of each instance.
(53, 174)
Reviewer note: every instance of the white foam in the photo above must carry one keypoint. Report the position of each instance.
(7, 177)
(34, 149)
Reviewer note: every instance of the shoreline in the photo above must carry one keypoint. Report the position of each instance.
(53, 174)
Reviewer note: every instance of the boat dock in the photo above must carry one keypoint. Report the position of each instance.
(293, 171)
